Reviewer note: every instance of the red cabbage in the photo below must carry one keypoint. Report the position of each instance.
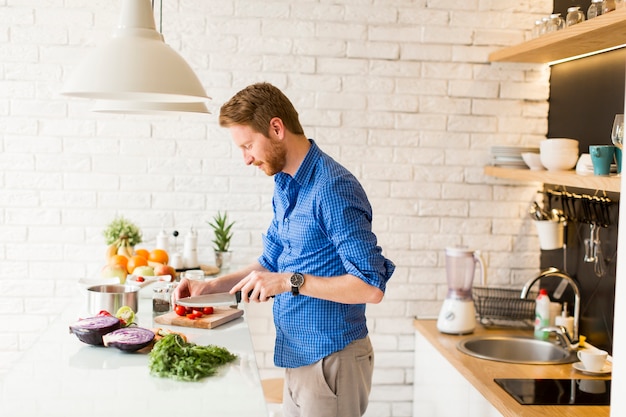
(91, 330)
(129, 339)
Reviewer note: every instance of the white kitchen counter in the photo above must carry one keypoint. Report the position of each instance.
(61, 376)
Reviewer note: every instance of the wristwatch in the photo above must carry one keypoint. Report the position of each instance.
(297, 279)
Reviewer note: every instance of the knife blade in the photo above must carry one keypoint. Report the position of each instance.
(211, 299)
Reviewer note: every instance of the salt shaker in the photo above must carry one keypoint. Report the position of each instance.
(574, 16)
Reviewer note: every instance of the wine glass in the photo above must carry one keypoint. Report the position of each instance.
(617, 134)
(617, 137)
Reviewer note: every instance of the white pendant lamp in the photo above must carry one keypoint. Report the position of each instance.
(136, 64)
(147, 107)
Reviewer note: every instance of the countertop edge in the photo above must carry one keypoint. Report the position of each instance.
(480, 373)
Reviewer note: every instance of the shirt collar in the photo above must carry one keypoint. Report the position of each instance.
(305, 171)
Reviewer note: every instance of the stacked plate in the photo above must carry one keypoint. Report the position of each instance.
(510, 156)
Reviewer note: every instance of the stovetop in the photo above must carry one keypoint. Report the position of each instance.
(558, 391)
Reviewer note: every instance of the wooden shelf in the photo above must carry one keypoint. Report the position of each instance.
(567, 178)
(597, 34)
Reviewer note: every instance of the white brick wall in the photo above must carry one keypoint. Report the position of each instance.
(399, 91)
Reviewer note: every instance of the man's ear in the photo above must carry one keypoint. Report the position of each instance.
(277, 128)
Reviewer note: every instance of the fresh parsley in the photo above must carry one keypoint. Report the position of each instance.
(172, 357)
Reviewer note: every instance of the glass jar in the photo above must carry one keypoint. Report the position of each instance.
(538, 29)
(162, 299)
(595, 9)
(608, 6)
(555, 23)
(574, 16)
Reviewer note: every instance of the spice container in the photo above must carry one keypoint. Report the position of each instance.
(574, 16)
(595, 9)
(539, 28)
(555, 23)
(608, 6)
(162, 299)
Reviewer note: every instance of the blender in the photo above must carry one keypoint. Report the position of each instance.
(458, 315)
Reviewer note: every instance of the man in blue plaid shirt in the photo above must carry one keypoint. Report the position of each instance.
(320, 261)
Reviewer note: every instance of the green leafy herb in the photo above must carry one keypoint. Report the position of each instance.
(172, 357)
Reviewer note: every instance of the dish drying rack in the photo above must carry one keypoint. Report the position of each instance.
(503, 307)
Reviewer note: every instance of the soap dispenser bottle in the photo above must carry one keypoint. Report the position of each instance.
(542, 314)
(566, 321)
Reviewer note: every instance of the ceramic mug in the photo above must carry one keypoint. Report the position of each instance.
(618, 159)
(601, 157)
(593, 359)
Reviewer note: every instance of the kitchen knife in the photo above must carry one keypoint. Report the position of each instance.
(211, 299)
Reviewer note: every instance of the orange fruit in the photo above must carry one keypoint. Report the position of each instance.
(134, 262)
(142, 252)
(159, 256)
(118, 260)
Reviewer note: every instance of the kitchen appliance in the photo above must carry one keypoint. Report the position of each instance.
(458, 314)
(557, 391)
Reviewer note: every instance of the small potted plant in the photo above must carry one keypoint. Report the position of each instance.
(222, 236)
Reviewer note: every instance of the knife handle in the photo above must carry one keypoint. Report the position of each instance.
(238, 296)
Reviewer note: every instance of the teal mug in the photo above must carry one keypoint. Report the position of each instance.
(602, 157)
(618, 159)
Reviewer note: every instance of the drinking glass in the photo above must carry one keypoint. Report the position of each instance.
(617, 134)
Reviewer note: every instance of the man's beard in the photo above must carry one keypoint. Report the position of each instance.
(275, 160)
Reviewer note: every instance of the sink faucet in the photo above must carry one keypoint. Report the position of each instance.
(554, 272)
(561, 334)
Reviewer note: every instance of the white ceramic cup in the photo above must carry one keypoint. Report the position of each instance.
(593, 359)
(550, 234)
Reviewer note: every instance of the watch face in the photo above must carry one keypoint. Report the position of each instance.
(297, 280)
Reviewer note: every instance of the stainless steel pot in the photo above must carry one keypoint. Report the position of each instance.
(112, 297)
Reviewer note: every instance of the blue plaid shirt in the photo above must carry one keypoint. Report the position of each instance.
(321, 226)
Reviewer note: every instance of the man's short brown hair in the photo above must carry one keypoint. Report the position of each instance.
(256, 105)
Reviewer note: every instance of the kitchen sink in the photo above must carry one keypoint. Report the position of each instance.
(516, 350)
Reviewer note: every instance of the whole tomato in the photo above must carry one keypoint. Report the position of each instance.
(180, 310)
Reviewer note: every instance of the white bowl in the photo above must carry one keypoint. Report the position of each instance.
(559, 160)
(533, 160)
(558, 143)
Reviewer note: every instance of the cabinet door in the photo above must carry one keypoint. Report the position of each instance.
(439, 390)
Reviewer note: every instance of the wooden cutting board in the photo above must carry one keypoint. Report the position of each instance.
(220, 316)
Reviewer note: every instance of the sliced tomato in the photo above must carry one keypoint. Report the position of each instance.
(180, 310)
(207, 310)
(194, 315)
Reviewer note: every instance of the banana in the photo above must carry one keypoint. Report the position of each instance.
(111, 250)
(126, 251)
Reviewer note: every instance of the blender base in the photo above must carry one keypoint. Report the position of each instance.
(457, 317)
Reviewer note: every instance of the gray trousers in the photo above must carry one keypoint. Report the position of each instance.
(336, 386)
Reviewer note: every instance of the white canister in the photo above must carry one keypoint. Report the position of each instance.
(190, 250)
(163, 241)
